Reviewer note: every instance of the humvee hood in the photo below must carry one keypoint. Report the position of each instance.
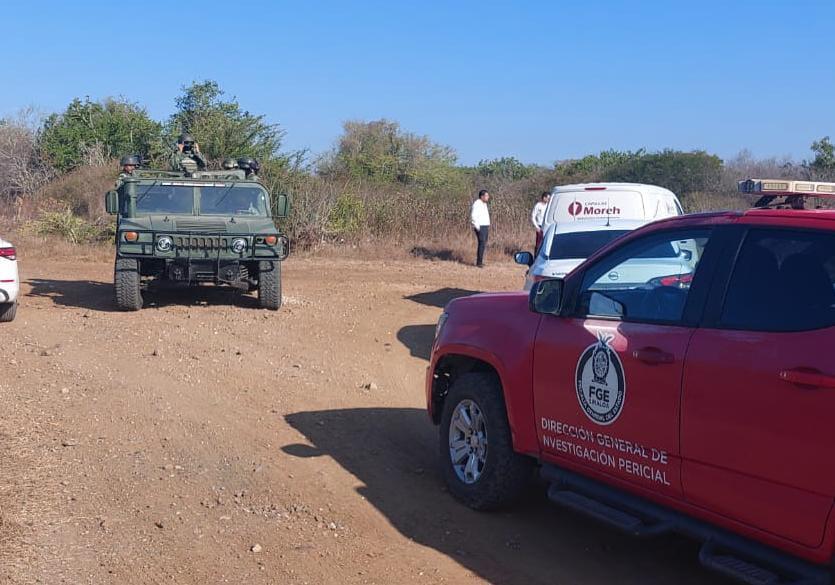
(200, 224)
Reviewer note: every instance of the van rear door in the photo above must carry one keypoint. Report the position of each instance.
(595, 203)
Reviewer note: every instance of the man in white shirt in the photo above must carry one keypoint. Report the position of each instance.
(480, 218)
(538, 218)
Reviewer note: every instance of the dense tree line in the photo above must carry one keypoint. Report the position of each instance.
(371, 182)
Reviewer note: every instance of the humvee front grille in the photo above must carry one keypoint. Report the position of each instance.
(201, 243)
(206, 225)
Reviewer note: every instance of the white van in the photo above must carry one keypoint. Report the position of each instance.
(610, 201)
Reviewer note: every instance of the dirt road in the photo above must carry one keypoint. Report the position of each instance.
(199, 441)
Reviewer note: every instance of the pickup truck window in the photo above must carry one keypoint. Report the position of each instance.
(647, 280)
(782, 281)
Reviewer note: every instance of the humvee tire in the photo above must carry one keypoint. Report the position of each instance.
(7, 312)
(126, 283)
(269, 285)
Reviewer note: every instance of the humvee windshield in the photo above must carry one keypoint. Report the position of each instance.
(210, 200)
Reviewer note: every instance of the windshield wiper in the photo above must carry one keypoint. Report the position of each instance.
(222, 197)
(151, 186)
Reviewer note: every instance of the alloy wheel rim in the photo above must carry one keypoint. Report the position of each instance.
(468, 441)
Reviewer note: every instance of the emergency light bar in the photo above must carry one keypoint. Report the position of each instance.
(792, 193)
(780, 187)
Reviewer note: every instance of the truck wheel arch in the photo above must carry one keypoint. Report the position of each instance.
(450, 367)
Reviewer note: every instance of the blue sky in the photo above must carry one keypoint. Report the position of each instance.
(541, 81)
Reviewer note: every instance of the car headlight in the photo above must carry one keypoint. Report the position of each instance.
(164, 244)
(238, 245)
(441, 322)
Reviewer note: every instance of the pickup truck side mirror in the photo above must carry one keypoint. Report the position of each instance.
(546, 296)
(523, 258)
(111, 202)
(282, 206)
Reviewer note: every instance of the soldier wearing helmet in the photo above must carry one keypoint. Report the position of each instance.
(187, 157)
(250, 167)
(129, 163)
(230, 165)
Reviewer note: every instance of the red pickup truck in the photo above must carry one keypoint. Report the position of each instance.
(698, 401)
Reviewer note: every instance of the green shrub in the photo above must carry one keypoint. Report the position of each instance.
(70, 227)
(347, 217)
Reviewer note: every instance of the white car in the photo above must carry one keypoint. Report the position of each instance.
(566, 245)
(9, 281)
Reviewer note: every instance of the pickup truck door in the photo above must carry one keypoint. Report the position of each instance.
(607, 371)
(759, 388)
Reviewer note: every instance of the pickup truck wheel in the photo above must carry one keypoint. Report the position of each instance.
(269, 285)
(126, 282)
(8, 312)
(477, 458)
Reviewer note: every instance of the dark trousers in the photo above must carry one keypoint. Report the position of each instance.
(481, 235)
(538, 242)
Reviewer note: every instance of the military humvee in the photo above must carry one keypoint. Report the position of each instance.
(203, 227)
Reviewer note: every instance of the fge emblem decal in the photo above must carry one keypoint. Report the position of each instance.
(601, 386)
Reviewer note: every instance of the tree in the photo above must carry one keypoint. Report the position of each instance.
(380, 151)
(823, 165)
(89, 132)
(507, 168)
(22, 172)
(593, 166)
(221, 127)
(681, 172)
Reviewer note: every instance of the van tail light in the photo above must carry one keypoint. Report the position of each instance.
(595, 188)
(676, 280)
(9, 253)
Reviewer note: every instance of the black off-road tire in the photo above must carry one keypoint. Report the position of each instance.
(269, 285)
(506, 473)
(126, 284)
(8, 312)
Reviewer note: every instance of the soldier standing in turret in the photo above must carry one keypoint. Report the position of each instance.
(129, 164)
(250, 167)
(187, 157)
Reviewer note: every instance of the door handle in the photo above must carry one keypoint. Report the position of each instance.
(653, 356)
(808, 377)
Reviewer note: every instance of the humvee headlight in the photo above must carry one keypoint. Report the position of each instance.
(238, 245)
(271, 240)
(164, 244)
(131, 236)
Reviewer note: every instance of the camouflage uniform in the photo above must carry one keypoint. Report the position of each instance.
(188, 162)
(191, 161)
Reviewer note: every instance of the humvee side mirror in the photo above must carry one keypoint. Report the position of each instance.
(111, 202)
(282, 206)
(546, 296)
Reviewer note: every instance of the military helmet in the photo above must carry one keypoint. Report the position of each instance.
(130, 159)
(248, 163)
(229, 163)
(185, 137)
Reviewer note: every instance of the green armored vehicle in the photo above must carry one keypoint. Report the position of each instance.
(192, 228)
